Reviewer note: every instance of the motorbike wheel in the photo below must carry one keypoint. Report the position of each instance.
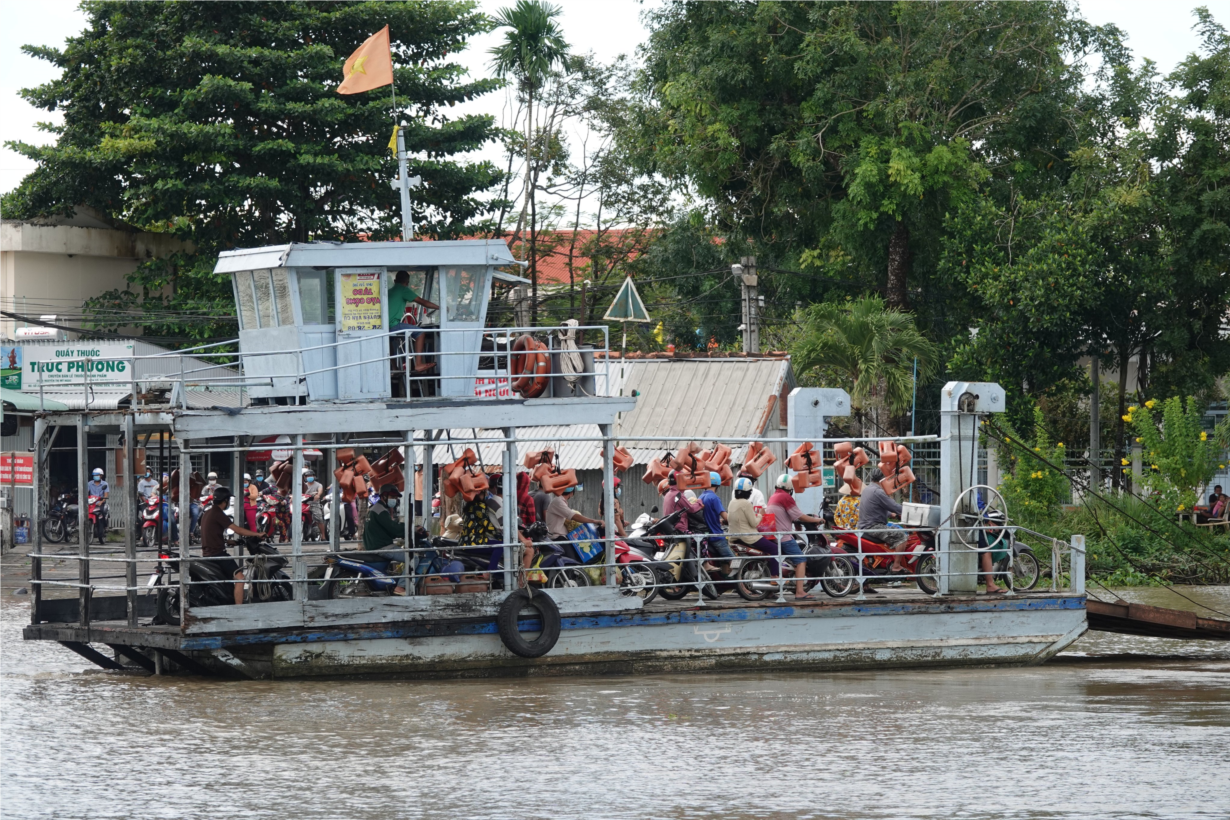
(167, 607)
(839, 580)
(671, 590)
(640, 581)
(755, 577)
(54, 530)
(1025, 571)
(928, 577)
(345, 584)
(567, 577)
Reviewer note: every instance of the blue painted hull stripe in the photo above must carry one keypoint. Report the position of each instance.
(690, 616)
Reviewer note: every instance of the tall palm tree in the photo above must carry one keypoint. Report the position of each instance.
(533, 46)
(870, 348)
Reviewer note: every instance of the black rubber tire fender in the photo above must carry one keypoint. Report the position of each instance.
(510, 611)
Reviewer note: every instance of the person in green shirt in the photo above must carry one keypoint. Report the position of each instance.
(402, 295)
(381, 527)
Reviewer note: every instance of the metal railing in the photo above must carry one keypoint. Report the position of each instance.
(500, 353)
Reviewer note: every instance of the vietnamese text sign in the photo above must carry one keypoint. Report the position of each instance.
(492, 388)
(362, 307)
(17, 468)
(99, 363)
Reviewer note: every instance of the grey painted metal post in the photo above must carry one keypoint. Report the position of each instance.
(40, 493)
(237, 488)
(961, 403)
(510, 506)
(335, 497)
(129, 499)
(608, 497)
(296, 520)
(429, 438)
(412, 559)
(1078, 564)
(83, 522)
(185, 527)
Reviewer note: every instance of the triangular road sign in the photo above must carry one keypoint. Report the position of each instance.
(627, 306)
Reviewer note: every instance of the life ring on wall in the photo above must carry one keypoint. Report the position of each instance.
(529, 365)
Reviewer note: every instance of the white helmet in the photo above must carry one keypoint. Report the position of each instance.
(743, 484)
(97, 472)
(213, 476)
(247, 476)
(783, 482)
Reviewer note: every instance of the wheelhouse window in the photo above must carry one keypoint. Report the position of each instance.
(264, 298)
(313, 297)
(281, 297)
(463, 292)
(244, 300)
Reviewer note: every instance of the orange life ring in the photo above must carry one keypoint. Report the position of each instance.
(529, 365)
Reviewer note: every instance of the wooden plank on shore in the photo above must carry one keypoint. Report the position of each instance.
(1154, 621)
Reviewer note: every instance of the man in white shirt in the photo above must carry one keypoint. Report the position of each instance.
(559, 513)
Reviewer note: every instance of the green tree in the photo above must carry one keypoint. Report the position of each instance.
(872, 348)
(220, 122)
(533, 48)
(1180, 455)
(851, 129)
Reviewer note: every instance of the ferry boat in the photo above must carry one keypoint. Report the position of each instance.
(320, 369)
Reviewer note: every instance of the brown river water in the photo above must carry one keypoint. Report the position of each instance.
(1118, 727)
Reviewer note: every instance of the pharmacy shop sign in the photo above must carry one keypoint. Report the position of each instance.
(69, 365)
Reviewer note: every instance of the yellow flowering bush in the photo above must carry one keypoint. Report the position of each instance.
(1032, 488)
(1182, 459)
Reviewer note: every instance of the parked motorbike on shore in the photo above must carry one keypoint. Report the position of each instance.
(60, 525)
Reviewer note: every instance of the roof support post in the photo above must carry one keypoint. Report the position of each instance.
(185, 528)
(296, 520)
(335, 496)
(83, 521)
(510, 506)
(407, 513)
(608, 496)
(128, 497)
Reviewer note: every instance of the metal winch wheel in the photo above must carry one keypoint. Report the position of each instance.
(971, 519)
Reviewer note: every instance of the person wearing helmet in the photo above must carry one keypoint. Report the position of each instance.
(743, 519)
(147, 485)
(214, 525)
(621, 527)
(756, 497)
(715, 516)
(677, 500)
(99, 488)
(785, 511)
(313, 490)
(382, 526)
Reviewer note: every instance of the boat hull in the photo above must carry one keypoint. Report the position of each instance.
(1019, 630)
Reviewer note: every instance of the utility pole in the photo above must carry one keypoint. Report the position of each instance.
(1095, 425)
(746, 271)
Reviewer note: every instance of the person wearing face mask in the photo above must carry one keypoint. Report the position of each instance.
(250, 496)
(147, 485)
(312, 492)
(621, 526)
(381, 525)
(260, 481)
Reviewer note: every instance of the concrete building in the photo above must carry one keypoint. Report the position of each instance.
(51, 266)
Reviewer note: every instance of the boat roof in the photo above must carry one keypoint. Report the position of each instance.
(370, 254)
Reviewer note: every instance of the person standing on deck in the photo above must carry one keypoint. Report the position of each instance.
(312, 491)
(214, 525)
(401, 296)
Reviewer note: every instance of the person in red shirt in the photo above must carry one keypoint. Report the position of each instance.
(785, 510)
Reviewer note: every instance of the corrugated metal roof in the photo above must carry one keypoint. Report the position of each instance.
(698, 400)
(75, 399)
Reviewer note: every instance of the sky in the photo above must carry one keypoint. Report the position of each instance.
(1159, 31)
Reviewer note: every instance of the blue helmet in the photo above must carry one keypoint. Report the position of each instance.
(715, 480)
(743, 484)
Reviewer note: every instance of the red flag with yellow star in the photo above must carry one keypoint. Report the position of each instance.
(371, 65)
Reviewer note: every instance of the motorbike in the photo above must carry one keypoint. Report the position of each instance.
(151, 520)
(675, 557)
(310, 531)
(827, 567)
(61, 524)
(272, 517)
(365, 573)
(97, 518)
(637, 572)
(264, 577)
(208, 586)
